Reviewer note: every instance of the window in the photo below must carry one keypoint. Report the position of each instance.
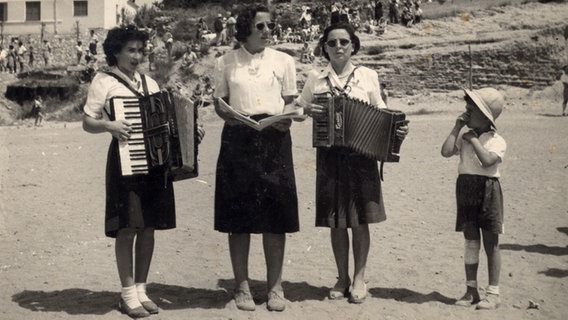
(80, 8)
(3, 11)
(33, 12)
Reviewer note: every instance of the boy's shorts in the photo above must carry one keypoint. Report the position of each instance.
(479, 202)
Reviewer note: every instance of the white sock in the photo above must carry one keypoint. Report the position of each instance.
(493, 290)
(130, 297)
(141, 289)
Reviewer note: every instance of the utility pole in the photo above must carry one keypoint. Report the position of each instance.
(55, 16)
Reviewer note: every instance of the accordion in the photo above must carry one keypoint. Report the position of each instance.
(359, 126)
(164, 133)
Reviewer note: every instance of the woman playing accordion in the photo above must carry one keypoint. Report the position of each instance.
(348, 186)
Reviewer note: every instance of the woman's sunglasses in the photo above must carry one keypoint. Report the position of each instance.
(260, 26)
(342, 42)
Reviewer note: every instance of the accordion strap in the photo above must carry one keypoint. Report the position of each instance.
(346, 88)
(128, 85)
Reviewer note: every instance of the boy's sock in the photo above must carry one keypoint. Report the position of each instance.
(492, 290)
(130, 297)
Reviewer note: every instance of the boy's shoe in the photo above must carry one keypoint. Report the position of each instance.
(490, 302)
(244, 301)
(471, 297)
(276, 301)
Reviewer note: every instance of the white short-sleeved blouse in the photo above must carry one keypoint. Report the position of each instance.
(104, 87)
(364, 85)
(255, 83)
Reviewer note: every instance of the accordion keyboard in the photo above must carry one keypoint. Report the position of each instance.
(132, 152)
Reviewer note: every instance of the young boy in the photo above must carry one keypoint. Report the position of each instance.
(478, 191)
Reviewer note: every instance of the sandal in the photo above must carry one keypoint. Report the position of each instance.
(338, 291)
(358, 295)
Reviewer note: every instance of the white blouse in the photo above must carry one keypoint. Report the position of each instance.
(104, 87)
(470, 163)
(255, 83)
(364, 85)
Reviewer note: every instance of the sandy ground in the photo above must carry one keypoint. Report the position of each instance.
(55, 262)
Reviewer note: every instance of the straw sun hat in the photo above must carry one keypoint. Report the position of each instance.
(489, 101)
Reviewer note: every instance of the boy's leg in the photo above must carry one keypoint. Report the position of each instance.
(491, 246)
(471, 262)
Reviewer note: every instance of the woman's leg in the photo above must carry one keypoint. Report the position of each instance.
(274, 245)
(124, 261)
(129, 303)
(144, 251)
(340, 246)
(361, 244)
(239, 246)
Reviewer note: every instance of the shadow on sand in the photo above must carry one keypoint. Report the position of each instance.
(555, 273)
(409, 296)
(294, 291)
(536, 248)
(551, 115)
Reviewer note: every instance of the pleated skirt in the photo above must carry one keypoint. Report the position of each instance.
(348, 189)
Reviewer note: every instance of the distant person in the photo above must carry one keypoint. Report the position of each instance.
(564, 80)
(478, 191)
(21, 54)
(79, 51)
(3, 56)
(31, 57)
(231, 21)
(394, 13)
(218, 28)
(417, 13)
(379, 11)
(38, 111)
(11, 59)
(93, 41)
(169, 43)
(150, 54)
(46, 52)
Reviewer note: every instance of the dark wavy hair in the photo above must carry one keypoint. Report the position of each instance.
(245, 19)
(117, 38)
(356, 43)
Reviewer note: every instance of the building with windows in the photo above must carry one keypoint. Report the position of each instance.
(63, 16)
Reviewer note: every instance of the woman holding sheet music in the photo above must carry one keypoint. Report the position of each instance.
(348, 188)
(255, 184)
(135, 205)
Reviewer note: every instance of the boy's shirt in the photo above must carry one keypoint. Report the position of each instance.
(470, 164)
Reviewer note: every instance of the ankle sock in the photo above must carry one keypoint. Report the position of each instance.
(141, 289)
(492, 290)
(130, 297)
(471, 283)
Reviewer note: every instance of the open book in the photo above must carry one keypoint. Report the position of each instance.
(288, 113)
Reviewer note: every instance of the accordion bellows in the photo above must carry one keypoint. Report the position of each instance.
(359, 126)
(164, 133)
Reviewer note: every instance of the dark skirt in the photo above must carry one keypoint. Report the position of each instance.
(480, 202)
(255, 190)
(142, 201)
(348, 189)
